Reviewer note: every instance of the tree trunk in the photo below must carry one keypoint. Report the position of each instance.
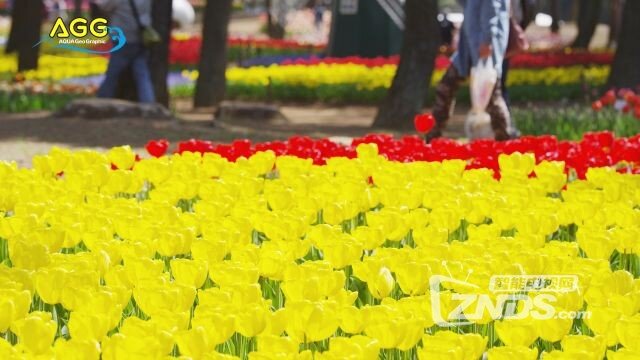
(625, 70)
(275, 30)
(588, 16)
(159, 54)
(409, 89)
(26, 21)
(267, 5)
(77, 8)
(211, 83)
(555, 16)
(614, 23)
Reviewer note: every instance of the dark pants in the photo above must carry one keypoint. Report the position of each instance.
(503, 82)
(134, 56)
(445, 96)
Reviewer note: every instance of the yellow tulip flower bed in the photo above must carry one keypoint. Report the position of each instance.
(276, 258)
(55, 68)
(370, 78)
(348, 83)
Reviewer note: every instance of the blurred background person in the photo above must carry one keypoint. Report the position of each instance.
(131, 16)
(484, 35)
(522, 14)
(318, 14)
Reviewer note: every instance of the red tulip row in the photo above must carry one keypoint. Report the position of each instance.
(271, 43)
(560, 59)
(187, 51)
(524, 60)
(594, 150)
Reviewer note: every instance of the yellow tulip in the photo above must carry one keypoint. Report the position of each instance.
(189, 272)
(88, 326)
(628, 331)
(351, 320)
(122, 157)
(512, 352)
(311, 321)
(568, 355)
(439, 353)
(370, 238)
(252, 320)
(277, 345)
(171, 321)
(232, 273)
(154, 299)
(462, 346)
(35, 332)
(602, 321)
(218, 356)
(382, 284)
(140, 269)
(342, 252)
(622, 354)
(7, 351)
(516, 164)
(137, 339)
(594, 345)
(356, 347)
(14, 305)
(218, 326)
(75, 349)
(521, 332)
(194, 343)
(28, 255)
(553, 330)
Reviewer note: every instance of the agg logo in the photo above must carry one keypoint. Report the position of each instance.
(82, 35)
(78, 28)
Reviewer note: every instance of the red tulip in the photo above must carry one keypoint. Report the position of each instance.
(424, 122)
(597, 105)
(597, 140)
(157, 148)
(608, 98)
(636, 112)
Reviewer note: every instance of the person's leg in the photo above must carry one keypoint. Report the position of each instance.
(142, 76)
(118, 62)
(500, 116)
(445, 95)
(503, 82)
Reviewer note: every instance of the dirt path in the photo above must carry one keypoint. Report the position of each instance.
(24, 135)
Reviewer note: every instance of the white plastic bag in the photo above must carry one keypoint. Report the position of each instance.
(483, 80)
(478, 126)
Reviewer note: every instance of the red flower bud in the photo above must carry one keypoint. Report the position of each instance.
(424, 122)
(597, 105)
(157, 148)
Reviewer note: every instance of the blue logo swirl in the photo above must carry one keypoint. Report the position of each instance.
(116, 34)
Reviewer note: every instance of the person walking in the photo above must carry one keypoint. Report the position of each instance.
(484, 35)
(523, 14)
(132, 16)
(318, 14)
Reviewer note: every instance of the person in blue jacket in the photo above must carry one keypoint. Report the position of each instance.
(484, 34)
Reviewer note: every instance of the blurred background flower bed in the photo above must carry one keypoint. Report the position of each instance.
(290, 71)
